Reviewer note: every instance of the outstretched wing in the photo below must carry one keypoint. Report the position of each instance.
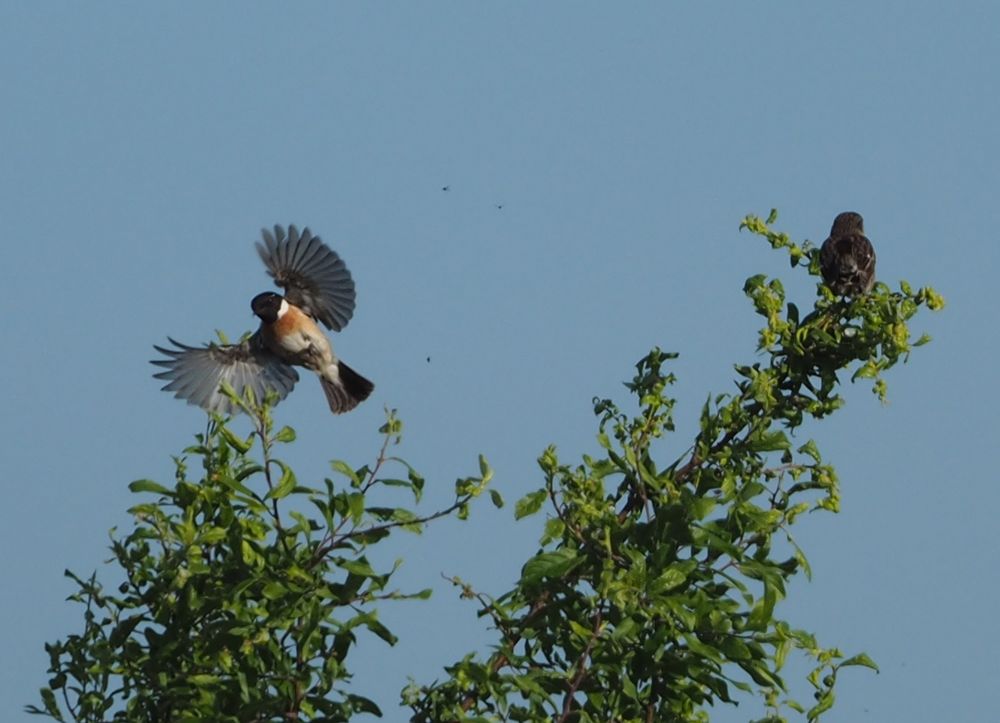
(314, 278)
(195, 374)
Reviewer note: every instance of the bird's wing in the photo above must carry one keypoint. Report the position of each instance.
(195, 374)
(314, 278)
(863, 253)
(828, 261)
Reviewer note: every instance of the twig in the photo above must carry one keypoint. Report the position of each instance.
(581, 665)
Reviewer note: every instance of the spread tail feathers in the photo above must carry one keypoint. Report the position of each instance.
(344, 388)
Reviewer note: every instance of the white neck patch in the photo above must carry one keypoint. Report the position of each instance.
(283, 309)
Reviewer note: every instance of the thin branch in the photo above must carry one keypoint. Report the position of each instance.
(265, 444)
(329, 544)
(582, 671)
(499, 660)
(560, 513)
(329, 540)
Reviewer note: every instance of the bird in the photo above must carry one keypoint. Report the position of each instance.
(318, 289)
(846, 258)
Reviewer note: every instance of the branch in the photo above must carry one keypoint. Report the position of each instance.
(582, 672)
(326, 547)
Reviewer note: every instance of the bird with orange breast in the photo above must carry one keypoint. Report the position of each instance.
(317, 288)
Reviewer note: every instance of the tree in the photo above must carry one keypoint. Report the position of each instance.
(653, 593)
(651, 597)
(236, 605)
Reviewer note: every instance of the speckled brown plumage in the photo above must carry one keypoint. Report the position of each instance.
(847, 259)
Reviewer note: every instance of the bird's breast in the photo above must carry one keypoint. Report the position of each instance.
(298, 340)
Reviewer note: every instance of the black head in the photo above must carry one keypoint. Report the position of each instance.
(266, 306)
(847, 223)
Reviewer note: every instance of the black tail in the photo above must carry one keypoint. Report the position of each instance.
(344, 388)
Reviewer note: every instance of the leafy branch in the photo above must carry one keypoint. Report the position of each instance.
(654, 591)
(235, 604)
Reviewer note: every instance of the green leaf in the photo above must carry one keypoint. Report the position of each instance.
(810, 449)
(49, 701)
(769, 441)
(496, 498)
(701, 507)
(240, 445)
(285, 485)
(554, 529)
(346, 470)
(285, 434)
(625, 630)
(145, 485)
(582, 631)
(393, 425)
(203, 680)
(860, 659)
(362, 705)
(485, 470)
(212, 535)
(411, 522)
(549, 460)
(380, 630)
(549, 565)
(358, 567)
(244, 472)
(274, 590)
(825, 703)
(124, 629)
(673, 577)
(699, 648)
(391, 482)
(529, 504)
(356, 506)
(249, 554)
(868, 370)
(418, 483)
(761, 675)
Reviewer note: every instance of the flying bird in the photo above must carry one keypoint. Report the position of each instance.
(847, 259)
(317, 288)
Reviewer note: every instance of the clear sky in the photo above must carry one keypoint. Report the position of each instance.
(143, 146)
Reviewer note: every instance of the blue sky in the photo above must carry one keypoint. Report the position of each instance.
(144, 145)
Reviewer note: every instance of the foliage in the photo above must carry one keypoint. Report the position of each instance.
(653, 594)
(652, 597)
(236, 605)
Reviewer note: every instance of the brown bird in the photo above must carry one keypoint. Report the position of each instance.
(847, 259)
(318, 288)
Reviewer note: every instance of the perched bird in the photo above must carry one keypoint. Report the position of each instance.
(847, 258)
(318, 288)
